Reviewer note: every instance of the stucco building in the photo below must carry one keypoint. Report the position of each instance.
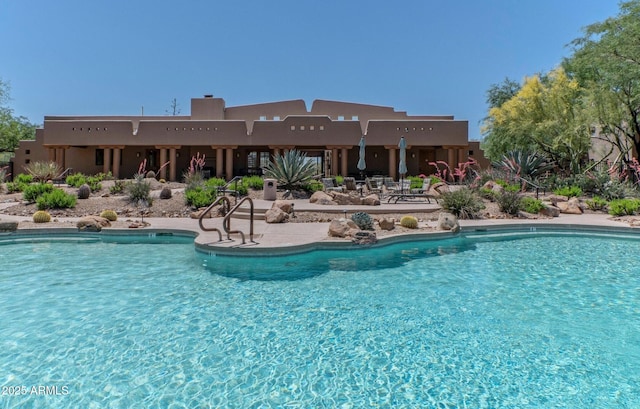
(241, 140)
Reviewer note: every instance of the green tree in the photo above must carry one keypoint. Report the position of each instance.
(545, 115)
(606, 62)
(12, 129)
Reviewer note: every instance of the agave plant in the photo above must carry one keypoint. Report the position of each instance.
(292, 169)
(525, 164)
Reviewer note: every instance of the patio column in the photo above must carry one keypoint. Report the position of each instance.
(344, 162)
(51, 154)
(451, 156)
(229, 164)
(106, 158)
(334, 162)
(172, 164)
(219, 161)
(117, 152)
(60, 157)
(163, 160)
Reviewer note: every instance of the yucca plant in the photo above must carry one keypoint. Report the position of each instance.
(43, 171)
(292, 170)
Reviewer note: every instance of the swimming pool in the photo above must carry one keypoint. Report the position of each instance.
(542, 319)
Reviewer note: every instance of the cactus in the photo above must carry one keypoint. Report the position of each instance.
(41, 217)
(363, 220)
(109, 215)
(162, 180)
(409, 222)
(165, 193)
(84, 191)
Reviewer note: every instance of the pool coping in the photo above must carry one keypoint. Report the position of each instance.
(233, 248)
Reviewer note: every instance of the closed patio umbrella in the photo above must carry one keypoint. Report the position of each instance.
(402, 166)
(362, 165)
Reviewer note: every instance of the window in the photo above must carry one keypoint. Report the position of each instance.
(302, 127)
(340, 117)
(276, 118)
(28, 151)
(27, 161)
(354, 118)
(293, 127)
(265, 158)
(263, 117)
(312, 128)
(99, 157)
(322, 127)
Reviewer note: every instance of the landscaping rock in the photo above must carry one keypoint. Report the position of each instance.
(284, 205)
(342, 227)
(371, 200)
(92, 223)
(387, 224)
(275, 215)
(447, 221)
(321, 198)
(8, 226)
(364, 238)
(570, 207)
(550, 210)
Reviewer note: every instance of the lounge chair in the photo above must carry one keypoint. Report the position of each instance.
(350, 183)
(426, 185)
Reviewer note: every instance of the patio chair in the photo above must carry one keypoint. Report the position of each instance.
(372, 186)
(330, 184)
(426, 185)
(391, 185)
(350, 183)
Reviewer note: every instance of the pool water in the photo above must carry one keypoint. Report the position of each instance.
(530, 321)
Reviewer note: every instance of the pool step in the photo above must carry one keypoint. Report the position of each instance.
(245, 212)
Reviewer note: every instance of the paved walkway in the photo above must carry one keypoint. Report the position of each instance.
(295, 237)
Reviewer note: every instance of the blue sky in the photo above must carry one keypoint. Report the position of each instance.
(78, 57)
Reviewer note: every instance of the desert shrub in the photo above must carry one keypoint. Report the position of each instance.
(524, 163)
(43, 171)
(23, 178)
(596, 203)
(568, 191)
(151, 174)
(509, 202)
(313, 186)
(4, 172)
(199, 197)
(138, 190)
(118, 187)
(613, 189)
(215, 183)
(41, 217)
(254, 182)
(76, 180)
(13, 187)
(624, 207)
(56, 199)
(531, 205)
(488, 194)
(33, 191)
(463, 203)
(363, 220)
(409, 222)
(94, 183)
(109, 215)
(84, 191)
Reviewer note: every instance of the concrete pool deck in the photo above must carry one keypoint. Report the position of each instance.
(283, 238)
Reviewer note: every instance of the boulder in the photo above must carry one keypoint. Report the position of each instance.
(387, 224)
(570, 207)
(8, 226)
(371, 200)
(364, 238)
(321, 198)
(340, 198)
(555, 199)
(440, 187)
(342, 227)
(275, 215)
(284, 205)
(92, 223)
(550, 210)
(447, 221)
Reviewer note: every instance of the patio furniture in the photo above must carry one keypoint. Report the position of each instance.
(372, 186)
(330, 184)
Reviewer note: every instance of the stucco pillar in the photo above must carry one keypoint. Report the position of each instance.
(52, 154)
(116, 162)
(60, 157)
(229, 164)
(334, 162)
(451, 157)
(393, 168)
(344, 162)
(163, 160)
(463, 154)
(106, 165)
(172, 164)
(219, 162)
